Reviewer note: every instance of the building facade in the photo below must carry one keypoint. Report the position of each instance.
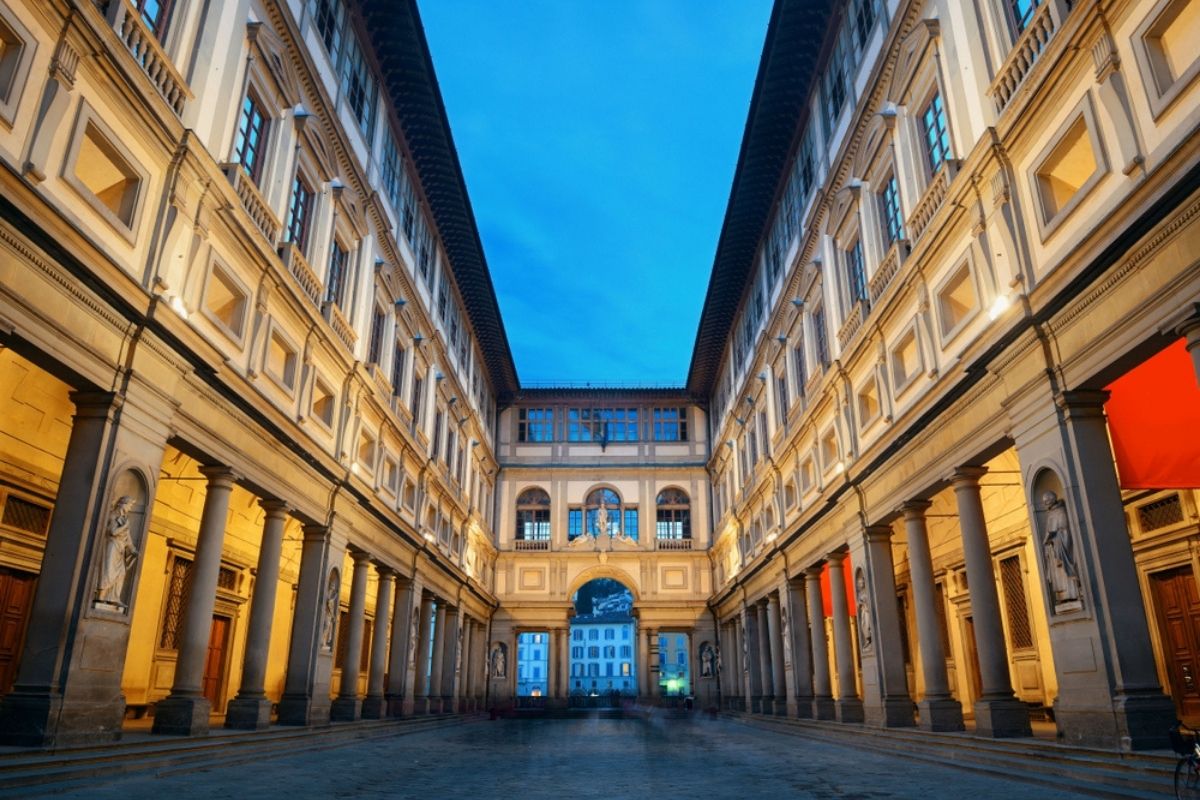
(266, 457)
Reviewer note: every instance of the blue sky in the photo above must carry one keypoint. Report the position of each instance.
(598, 139)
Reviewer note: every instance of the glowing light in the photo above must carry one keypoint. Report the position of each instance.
(839, 468)
(178, 307)
(999, 306)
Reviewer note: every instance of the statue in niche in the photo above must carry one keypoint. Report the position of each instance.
(120, 556)
(499, 660)
(707, 661)
(412, 638)
(1058, 548)
(601, 520)
(866, 631)
(329, 611)
(785, 634)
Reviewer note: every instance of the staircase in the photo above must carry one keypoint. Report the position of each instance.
(1100, 773)
(25, 772)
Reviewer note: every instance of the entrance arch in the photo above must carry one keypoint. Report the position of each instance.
(603, 639)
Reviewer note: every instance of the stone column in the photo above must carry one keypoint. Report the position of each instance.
(185, 710)
(763, 630)
(375, 704)
(823, 706)
(314, 624)
(775, 636)
(425, 638)
(1189, 328)
(466, 678)
(750, 660)
(737, 669)
(849, 706)
(643, 662)
(437, 665)
(402, 658)
(890, 705)
(938, 709)
(997, 711)
(481, 664)
(450, 647)
(348, 706)
(655, 664)
(802, 669)
(251, 709)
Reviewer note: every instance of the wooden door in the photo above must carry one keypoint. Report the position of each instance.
(16, 600)
(972, 659)
(1178, 609)
(214, 664)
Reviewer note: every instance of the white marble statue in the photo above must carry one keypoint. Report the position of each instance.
(329, 612)
(1058, 548)
(866, 630)
(119, 554)
(601, 520)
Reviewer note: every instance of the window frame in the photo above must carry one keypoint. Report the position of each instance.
(1047, 225)
(26, 45)
(1159, 97)
(238, 337)
(89, 117)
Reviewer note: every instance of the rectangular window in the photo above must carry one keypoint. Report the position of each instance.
(1013, 580)
(322, 403)
(154, 13)
(574, 522)
(535, 425)
(937, 135)
(862, 14)
(856, 275)
(375, 345)
(436, 444)
(104, 173)
(670, 424)
(1021, 13)
(956, 301)
(822, 336)
(631, 523)
(299, 212)
(329, 18)
(177, 586)
(398, 360)
(281, 360)
(1068, 168)
(889, 207)
(335, 281)
(801, 369)
(251, 137)
(358, 85)
(834, 88)
(781, 399)
(417, 397)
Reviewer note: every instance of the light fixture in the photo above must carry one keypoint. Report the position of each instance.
(437, 376)
(400, 303)
(839, 468)
(474, 443)
(781, 339)
(418, 339)
(453, 398)
(999, 305)
(797, 302)
(178, 307)
(762, 376)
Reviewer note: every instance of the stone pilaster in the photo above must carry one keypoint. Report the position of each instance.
(251, 709)
(403, 647)
(938, 709)
(437, 665)
(375, 703)
(750, 659)
(451, 646)
(800, 696)
(997, 711)
(767, 680)
(889, 705)
(347, 707)
(420, 662)
(185, 710)
(822, 704)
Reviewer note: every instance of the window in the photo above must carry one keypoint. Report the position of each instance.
(533, 515)
(670, 424)
(366, 451)
(862, 15)
(281, 360)
(829, 450)
(322, 403)
(889, 207)
(375, 346)
(801, 370)
(577, 635)
(612, 505)
(674, 515)
(631, 523)
(251, 138)
(856, 276)
(937, 135)
(299, 212)
(15, 56)
(808, 474)
(574, 523)
(602, 425)
(436, 444)
(821, 335)
(1012, 579)
(906, 360)
(956, 301)
(418, 395)
(834, 85)
(358, 85)
(398, 360)
(105, 175)
(535, 425)
(1020, 13)
(868, 403)
(335, 279)
(781, 399)
(1168, 50)
(176, 603)
(154, 13)
(329, 18)
(1064, 173)
(225, 302)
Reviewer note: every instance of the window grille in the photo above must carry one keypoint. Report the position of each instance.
(1158, 513)
(26, 516)
(177, 588)
(1013, 581)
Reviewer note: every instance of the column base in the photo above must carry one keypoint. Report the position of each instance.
(398, 707)
(940, 714)
(178, 715)
(374, 707)
(758, 703)
(849, 709)
(823, 708)
(44, 720)
(449, 705)
(1133, 722)
(894, 712)
(1002, 719)
(248, 713)
(345, 709)
(303, 710)
(780, 708)
(801, 708)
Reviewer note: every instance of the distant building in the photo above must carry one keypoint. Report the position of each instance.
(602, 655)
(532, 664)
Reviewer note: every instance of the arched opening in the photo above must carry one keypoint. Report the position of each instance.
(674, 516)
(603, 645)
(533, 516)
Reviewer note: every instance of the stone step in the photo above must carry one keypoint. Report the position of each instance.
(26, 772)
(1086, 770)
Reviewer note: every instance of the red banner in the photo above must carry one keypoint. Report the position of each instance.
(826, 594)
(1154, 421)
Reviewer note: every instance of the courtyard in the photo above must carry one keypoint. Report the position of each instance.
(578, 758)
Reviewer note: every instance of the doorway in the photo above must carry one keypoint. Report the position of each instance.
(1177, 606)
(16, 599)
(214, 662)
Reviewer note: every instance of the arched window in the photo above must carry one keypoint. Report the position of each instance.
(674, 515)
(533, 515)
(622, 519)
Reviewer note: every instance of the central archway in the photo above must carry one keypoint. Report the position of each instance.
(603, 642)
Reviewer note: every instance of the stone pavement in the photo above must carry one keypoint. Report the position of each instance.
(548, 759)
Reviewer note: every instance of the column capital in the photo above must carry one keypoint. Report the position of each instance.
(386, 573)
(813, 573)
(219, 475)
(1185, 322)
(967, 477)
(274, 508)
(763, 601)
(915, 509)
(878, 533)
(316, 533)
(1083, 403)
(360, 557)
(836, 557)
(95, 403)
